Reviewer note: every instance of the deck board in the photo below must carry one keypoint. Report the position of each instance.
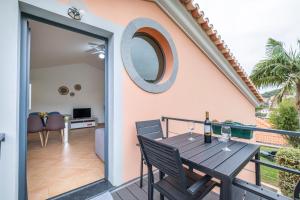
(125, 194)
(133, 191)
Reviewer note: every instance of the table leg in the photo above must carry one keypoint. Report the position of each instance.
(226, 189)
(150, 185)
(257, 170)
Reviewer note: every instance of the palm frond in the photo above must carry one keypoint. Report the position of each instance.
(276, 48)
(286, 88)
(278, 68)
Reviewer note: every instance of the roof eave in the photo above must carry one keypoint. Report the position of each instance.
(187, 23)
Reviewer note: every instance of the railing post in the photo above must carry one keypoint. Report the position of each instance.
(257, 169)
(2, 139)
(167, 128)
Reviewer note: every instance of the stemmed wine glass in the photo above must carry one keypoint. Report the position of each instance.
(226, 135)
(191, 129)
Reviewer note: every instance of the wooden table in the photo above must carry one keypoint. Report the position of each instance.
(210, 159)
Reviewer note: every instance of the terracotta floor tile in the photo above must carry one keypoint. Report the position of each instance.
(58, 168)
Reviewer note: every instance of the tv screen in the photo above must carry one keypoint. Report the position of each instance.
(81, 113)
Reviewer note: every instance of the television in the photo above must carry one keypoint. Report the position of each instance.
(81, 113)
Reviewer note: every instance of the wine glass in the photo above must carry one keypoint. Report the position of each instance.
(225, 135)
(191, 129)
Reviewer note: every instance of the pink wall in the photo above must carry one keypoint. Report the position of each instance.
(199, 87)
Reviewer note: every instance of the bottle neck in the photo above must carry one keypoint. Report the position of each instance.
(206, 116)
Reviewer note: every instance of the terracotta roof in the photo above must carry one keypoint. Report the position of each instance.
(203, 22)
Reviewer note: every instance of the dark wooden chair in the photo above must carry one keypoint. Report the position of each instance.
(180, 183)
(152, 129)
(245, 190)
(55, 122)
(35, 125)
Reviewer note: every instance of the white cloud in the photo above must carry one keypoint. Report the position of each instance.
(246, 25)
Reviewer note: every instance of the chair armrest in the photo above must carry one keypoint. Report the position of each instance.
(193, 189)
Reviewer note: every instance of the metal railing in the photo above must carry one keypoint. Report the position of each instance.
(256, 160)
(2, 137)
(244, 127)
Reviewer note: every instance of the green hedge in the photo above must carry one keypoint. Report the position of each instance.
(285, 117)
(288, 157)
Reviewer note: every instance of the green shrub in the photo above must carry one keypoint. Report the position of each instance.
(288, 157)
(285, 117)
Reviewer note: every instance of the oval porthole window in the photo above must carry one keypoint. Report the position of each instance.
(149, 55)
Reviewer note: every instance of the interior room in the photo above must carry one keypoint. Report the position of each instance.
(66, 111)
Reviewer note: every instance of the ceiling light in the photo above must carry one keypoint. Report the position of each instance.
(101, 55)
(97, 49)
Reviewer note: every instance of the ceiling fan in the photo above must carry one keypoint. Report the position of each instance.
(97, 49)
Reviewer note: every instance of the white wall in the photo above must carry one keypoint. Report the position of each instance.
(9, 98)
(46, 81)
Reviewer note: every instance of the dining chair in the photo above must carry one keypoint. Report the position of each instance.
(55, 122)
(53, 113)
(35, 125)
(152, 129)
(175, 181)
(34, 113)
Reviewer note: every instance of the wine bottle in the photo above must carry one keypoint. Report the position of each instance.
(207, 129)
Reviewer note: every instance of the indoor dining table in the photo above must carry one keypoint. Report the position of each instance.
(210, 159)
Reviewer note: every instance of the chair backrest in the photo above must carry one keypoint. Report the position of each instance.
(55, 122)
(151, 129)
(34, 124)
(34, 113)
(164, 157)
(53, 113)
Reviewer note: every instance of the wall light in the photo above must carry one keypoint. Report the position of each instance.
(74, 13)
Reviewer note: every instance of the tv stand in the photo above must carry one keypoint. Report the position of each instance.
(82, 123)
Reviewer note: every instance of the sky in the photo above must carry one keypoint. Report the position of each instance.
(246, 25)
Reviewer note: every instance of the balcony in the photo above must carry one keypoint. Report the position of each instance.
(254, 181)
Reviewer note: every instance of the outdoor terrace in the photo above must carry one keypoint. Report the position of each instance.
(219, 162)
(132, 191)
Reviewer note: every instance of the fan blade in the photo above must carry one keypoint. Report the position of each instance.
(92, 51)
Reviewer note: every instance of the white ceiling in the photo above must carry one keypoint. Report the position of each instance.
(53, 46)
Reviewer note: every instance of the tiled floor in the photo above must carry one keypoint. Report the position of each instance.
(58, 168)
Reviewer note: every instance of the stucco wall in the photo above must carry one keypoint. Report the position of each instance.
(199, 86)
(9, 89)
(46, 81)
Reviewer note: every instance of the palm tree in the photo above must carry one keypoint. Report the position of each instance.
(281, 69)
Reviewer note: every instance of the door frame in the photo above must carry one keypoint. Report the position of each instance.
(24, 93)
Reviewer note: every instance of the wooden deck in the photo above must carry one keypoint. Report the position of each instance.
(132, 191)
